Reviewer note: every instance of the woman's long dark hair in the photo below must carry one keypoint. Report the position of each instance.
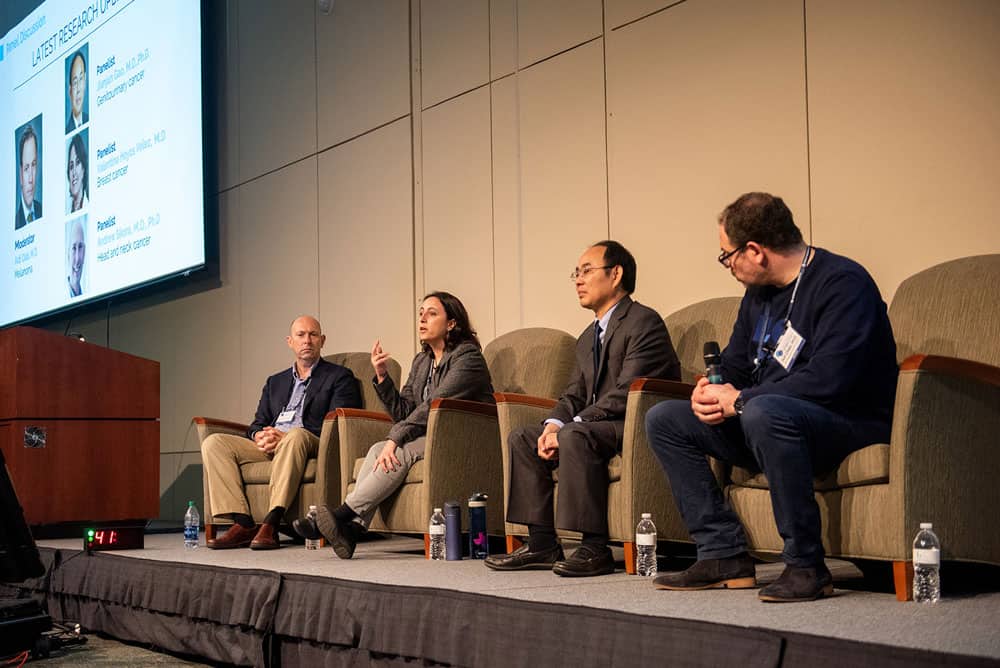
(454, 310)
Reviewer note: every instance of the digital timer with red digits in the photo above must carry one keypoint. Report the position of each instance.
(113, 538)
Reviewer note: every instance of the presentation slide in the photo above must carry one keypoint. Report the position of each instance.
(101, 176)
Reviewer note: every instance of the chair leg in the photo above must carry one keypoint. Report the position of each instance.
(513, 542)
(209, 532)
(902, 575)
(629, 558)
(427, 546)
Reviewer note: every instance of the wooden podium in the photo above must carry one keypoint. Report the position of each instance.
(79, 427)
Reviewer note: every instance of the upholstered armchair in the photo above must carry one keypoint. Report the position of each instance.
(642, 486)
(321, 480)
(463, 441)
(942, 459)
(636, 482)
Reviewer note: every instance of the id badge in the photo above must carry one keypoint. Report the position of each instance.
(788, 348)
(285, 416)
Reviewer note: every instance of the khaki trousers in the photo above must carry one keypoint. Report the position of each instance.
(223, 454)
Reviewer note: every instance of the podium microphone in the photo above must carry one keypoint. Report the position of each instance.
(713, 362)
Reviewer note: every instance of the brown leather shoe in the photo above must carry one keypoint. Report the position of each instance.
(234, 536)
(266, 538)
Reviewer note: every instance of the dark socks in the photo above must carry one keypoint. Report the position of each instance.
(244, 521)
(344, 513)
(274, 517)
(541, 537)
(596, 540)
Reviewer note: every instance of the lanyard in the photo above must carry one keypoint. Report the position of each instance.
(758, 360)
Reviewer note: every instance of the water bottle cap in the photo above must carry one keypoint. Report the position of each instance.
(926, 525)
(190, 503)
(312, 508)
(647, 516)
(437, 510)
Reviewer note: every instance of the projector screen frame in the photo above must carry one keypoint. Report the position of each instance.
(193, 279)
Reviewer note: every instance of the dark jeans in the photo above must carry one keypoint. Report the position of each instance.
(789, 439)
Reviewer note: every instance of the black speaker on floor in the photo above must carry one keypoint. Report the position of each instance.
(22, 621)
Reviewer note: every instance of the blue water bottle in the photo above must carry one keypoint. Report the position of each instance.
(479, 543)
(452, 531)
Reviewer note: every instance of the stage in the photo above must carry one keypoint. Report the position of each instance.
(389, 606)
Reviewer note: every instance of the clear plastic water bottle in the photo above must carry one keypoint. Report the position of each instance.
(926, 565)
(645, 546)
(192, 522)
(436, 530)
(312, 543)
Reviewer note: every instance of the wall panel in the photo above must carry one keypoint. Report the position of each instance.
(701, 110)
(563, 191)
(362, 67)
(551, 26)
(279, 263)
(458, 221)
(905, 135)
(508, 247)
(366, 243)
(454, 48)
(277, 84)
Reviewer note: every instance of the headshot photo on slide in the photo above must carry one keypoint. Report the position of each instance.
(76, 256)
(77, 99)
(28, 170)
(77, 172)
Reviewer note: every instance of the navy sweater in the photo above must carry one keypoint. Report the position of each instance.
(848, 359)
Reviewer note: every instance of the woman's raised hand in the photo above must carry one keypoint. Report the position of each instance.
(379, 359)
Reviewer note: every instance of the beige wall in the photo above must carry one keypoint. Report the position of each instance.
(478, 145)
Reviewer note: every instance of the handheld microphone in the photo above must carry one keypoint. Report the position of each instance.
(713, 362)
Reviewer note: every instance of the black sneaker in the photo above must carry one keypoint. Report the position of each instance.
(798, 583)
(735, 572)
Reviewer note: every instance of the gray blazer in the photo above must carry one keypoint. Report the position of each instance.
(462, 374)
(636, 345)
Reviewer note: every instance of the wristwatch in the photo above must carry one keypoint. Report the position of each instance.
(738, 404)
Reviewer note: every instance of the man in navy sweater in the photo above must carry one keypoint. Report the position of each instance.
(809, 376)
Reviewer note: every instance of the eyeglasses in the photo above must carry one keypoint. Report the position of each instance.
(724, 256)
(78, 80)
(577, 273)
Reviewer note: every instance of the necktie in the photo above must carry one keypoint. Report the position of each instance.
(31, 216)
(597, 351)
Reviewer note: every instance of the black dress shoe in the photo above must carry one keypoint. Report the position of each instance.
(736, 572)
(306, 527)
(523, 559)
(342, 536)
(798, 583)
(588, 560)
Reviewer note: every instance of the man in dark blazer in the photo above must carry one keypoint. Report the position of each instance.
(285, 431)
(29, 209)
(584, 430)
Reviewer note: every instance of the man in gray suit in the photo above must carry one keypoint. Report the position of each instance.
(584, 430)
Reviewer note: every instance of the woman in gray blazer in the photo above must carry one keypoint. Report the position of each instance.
(450, 364)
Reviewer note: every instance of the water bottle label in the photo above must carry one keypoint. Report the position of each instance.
(645, 539)
(927, 557)
(437, 530)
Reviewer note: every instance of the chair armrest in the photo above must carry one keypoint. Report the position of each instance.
(207, 426)
(668, 389)
(645, 486)
(943, 454)
(463, 456)
(953, 366)
(357, 431)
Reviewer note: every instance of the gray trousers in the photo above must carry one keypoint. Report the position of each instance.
(375, 486)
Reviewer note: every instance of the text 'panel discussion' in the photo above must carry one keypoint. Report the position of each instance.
(499, 333)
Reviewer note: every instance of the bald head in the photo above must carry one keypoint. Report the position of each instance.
(305, 338)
